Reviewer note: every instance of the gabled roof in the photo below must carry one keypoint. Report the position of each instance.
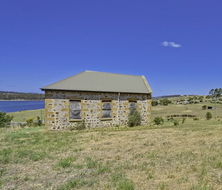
(102, 82)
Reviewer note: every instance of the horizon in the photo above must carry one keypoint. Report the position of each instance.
(175, 45)
(170, 95)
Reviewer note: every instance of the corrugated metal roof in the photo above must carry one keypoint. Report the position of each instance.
(102, 82)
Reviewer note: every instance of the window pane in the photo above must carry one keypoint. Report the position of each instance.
(75, 110)
(106, 113)
(132, 105)
(106, 109)
(75, 105)
(106, 106)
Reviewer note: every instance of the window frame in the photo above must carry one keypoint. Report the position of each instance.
(106, 101)
(133, 101)
(78, 100)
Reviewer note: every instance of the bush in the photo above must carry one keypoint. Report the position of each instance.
(158, 121)
(154, 103)
(208, 115)
(29, 122)
(39, 121)
(176, 122)
(195, 118)
(4, 118)
(204, 107)
(134, 118)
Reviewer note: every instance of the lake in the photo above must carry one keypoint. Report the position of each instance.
(14, 106)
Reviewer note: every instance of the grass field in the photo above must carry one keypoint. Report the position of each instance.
(191, 109)
(148, 157)
(28, 114)
(165, 157)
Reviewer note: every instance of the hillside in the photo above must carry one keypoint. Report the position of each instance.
(8, 95)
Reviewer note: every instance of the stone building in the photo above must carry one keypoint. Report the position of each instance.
(100, 99)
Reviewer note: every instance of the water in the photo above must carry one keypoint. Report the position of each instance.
(14, 106)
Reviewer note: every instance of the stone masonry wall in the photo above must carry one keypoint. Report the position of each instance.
(57, 108)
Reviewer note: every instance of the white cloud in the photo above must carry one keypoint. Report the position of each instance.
(171, 44)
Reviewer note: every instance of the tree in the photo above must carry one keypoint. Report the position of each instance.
(165, 102)
(190, 100)
(215, 93)
(4, 118)
(208, 96)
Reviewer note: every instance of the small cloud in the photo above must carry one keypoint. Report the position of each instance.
(171, 44)
(165, 43)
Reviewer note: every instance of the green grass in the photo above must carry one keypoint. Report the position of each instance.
(66, 162)
(18, 116)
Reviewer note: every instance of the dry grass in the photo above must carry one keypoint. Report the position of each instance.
(191, 109)
(149, 157)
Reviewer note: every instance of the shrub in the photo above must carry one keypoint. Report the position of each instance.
(158, 120)
(4, 118)
(208, 115)
(195, 118)
(134, 118)
(204, 107)
(176, 122)
(29, 122)
(154, 103)
(39, 121)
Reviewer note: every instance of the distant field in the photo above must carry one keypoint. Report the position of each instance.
(192, 109)
(18, 116)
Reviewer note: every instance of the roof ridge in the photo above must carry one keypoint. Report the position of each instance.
(111, 73)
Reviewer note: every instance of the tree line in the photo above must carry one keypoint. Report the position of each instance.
(5, 95)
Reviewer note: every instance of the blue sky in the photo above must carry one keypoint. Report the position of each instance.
(176, 44)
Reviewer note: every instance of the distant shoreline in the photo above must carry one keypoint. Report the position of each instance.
(21, 100)
(20, 105)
